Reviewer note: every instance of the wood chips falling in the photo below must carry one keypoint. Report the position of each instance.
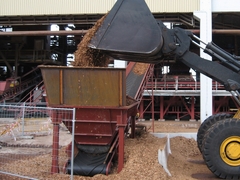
(87, 57)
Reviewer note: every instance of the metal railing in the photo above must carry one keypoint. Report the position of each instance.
(179, 84)
(29, 148)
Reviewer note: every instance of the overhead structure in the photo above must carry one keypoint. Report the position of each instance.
(31, 41)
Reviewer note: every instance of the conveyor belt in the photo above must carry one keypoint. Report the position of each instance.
(133, 82)
(93, 159)
(88, 164)
(25, 83)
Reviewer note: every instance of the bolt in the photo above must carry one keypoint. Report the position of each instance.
(172, 46)
(180, 53)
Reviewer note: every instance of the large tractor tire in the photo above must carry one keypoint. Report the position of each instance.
(221, 149)
(207, 124)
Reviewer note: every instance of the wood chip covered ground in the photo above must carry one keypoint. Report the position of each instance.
(141, 157)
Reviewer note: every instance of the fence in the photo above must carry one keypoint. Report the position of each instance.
(34, 144)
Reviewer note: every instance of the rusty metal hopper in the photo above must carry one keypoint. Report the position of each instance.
(77, 86)
(103, 113)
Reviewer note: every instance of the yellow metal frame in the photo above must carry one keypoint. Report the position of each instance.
(237, 115)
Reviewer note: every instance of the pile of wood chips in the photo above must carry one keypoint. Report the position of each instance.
(140, 161)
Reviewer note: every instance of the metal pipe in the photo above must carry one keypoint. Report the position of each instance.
(153, 118)
(16, 175)
(198, 39)
(43, 33)
(73, 141)
(218, 31)
(121, 127)
(80, 32)
(23, 115)
(234, 96)
(55, 145)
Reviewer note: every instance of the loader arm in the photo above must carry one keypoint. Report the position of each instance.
(177, 42)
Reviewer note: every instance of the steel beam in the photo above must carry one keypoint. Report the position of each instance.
(82, 32)
(43, 33)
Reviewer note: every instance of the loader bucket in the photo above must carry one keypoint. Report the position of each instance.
(129, 32)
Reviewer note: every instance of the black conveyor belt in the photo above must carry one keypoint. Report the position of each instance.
(86, 164)
(133, 82)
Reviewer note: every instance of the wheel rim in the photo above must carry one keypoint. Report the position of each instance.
(230, 151)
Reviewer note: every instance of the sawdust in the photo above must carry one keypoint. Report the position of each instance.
(140, 68)
(87, 57)
(141, 160)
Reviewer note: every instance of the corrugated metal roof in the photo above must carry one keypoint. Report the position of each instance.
(63, 7)
(173, 6)
(54, 7)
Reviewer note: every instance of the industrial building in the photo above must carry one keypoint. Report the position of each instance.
(48, 32)
(166, 60)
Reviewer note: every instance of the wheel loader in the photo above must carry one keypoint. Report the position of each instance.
(130, 32)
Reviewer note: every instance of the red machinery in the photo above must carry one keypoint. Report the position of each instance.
(103, 114)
